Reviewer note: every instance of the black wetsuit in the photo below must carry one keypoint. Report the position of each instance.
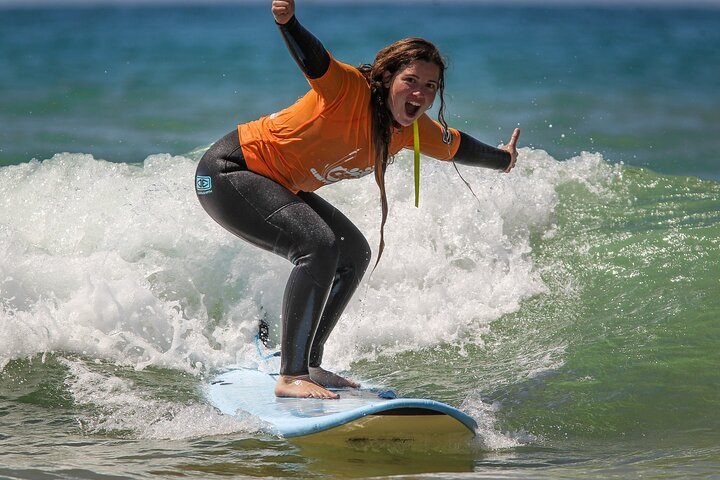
(329, 253)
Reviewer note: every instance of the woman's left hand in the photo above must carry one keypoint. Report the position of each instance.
(512, 149)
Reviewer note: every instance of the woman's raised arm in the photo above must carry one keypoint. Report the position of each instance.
(305, 48)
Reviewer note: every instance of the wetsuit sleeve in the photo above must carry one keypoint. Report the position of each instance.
(474, 153)
(305, 48)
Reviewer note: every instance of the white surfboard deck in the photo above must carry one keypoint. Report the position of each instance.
(359, 414)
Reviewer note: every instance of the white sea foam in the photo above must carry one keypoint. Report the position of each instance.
(120, 262)
(119, 406)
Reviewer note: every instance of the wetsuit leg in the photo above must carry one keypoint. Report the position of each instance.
(271, 217)
(354, 258)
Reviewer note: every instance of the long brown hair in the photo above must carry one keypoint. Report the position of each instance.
(392, 59)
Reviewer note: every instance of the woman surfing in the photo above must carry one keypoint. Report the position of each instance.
(259, 180)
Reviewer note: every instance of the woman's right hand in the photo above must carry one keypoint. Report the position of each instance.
(283, 10)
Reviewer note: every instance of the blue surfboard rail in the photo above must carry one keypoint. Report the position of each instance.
(246, 390)
(299, 428)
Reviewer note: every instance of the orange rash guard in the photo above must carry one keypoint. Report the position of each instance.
(326, 136)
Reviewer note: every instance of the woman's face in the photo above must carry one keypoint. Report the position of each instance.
(412, 90)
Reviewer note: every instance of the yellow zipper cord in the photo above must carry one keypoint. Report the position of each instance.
(416, 144)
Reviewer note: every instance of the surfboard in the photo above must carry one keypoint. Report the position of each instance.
(358, 415)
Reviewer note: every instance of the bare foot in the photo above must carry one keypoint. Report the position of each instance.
(330, 379)
(301, 386)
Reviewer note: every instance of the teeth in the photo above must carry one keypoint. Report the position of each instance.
(414, 104)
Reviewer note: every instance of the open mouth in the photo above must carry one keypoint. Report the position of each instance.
(411, 109)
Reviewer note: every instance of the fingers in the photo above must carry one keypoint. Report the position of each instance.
(283, 10)
(283, 4)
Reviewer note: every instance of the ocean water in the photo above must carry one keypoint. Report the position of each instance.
(572, 308)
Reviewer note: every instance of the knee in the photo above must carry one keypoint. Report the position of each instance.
(320, 258)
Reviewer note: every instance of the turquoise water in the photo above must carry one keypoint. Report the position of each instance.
(572, 309)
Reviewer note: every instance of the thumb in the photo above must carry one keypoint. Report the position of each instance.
(514, 138)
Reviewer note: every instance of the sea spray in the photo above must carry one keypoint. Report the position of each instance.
(97, 259)
(119, 261)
